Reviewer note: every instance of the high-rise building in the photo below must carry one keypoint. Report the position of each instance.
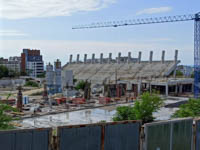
(32, 62)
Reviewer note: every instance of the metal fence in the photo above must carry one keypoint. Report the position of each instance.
(126, 135)
(108, 136)
(32, 139)
(197, 135)
(169, 135)
(80, 137)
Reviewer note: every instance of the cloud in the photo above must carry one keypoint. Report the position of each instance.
(154, 10)
(11, 33)
(20, 9)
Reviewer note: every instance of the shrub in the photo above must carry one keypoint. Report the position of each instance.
(179, 73)
(4, 72)
(32, 84)
(81, 85)
(5, 119)
(142, 110)
(190, 109)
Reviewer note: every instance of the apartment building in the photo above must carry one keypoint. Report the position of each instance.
(32, 62)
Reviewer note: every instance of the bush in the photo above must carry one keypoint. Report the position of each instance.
(124, 113)
(4, 72)
(32, 84)
(42, 75)
(5, 119)
(142, 110)
(81, 85)
(190, 109)
(179, 73)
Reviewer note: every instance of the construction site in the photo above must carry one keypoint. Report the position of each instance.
(108, 83)
(95, 86)
(74, 105)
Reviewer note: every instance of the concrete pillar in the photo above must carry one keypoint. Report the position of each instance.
(101, 58)
(163, 56)
(93, 58)
(176, 56)
(166, 89)
(181, 89)
(139, 57)
(110, 58)
(70, 59)
(175, 60)
(129, 57)
(119, 56)
(192, 90)
(150, 88)
(139, 87)
(77, 58)
(176, 89)
(85, 58)
(151, 57)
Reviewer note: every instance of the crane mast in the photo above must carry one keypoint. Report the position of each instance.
(166, 19)
(197, 56)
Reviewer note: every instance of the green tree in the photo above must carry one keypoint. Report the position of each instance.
(179, 73)
(142, 110)
(5, 119)
(190, 109)
(81, 85)
(42, 75)
(4, 72)
(32, 84)
(124, 113)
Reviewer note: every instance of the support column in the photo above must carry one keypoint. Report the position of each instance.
(181, 88)
(85, 58)
(151, 57)
(129, 57)
(176, 89)
(192, 90)
(110, 58)
(175, 60)
(150, 88)
(119, 57)
(176, 56)
(101, 58)
(93, 58)
(139, 87)
(139, 57)
(163, 57)
(70, 59)
(166, 89)
(77, 59)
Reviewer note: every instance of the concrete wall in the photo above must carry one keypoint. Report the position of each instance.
(11, 82)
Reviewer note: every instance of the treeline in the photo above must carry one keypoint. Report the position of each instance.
(5, 72)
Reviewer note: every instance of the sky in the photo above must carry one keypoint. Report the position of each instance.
(47, 25)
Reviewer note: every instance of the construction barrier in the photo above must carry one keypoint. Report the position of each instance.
(169, 135)
(122, 136)
(125, 135)
(197, 135)
(31, 139)
(109, 136)
(85, 137)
